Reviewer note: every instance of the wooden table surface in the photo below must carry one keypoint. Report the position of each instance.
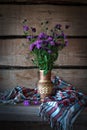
(19, 113)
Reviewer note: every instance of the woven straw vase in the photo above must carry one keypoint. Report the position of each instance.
(45, 84)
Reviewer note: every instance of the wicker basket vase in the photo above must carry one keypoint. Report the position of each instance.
(45, 84)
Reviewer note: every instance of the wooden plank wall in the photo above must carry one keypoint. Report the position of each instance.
(16, 69)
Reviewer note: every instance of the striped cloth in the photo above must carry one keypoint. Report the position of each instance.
(62, 109)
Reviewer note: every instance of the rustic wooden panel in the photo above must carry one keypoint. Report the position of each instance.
(12, 16)
(44, 1)
(74, 54)
(11, 78)
(77, 78)
(29, 78)
(15, 52)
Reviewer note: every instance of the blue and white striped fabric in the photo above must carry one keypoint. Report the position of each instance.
(62, 109)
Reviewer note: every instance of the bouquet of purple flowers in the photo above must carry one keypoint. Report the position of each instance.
(46, 45)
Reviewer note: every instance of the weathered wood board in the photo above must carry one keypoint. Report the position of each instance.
(13, 78)
(43, 1)
(29, 78)
(12, 16)
(16, 52)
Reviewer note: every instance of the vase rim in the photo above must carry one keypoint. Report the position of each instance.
(43, 70)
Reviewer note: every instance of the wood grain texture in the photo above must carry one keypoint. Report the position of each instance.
(15, 52)
(44, 1)
(12, 16)
(29, 78)
(12, 78)
(78, 78)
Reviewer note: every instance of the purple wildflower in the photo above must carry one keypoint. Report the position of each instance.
(63, 35)
(45, 42)
(42, 36)
(36, 102)
(38, 44)
(26, 103)
(25, 28)
(32, 46)
(49, 51)
(52, 43)
(49, 39)
(29, 38)
(33, 29)
(67, 26)
(58, 26)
